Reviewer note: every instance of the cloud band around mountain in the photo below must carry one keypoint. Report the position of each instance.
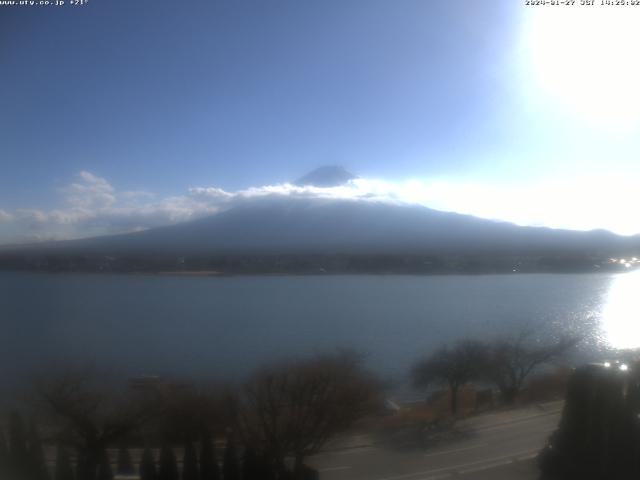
(91, 205)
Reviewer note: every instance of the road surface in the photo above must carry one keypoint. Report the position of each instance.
(493, 446)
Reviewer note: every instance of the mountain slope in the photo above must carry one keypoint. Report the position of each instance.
(315, 226)
(327, 176)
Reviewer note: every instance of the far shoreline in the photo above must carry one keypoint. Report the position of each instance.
(222, 274)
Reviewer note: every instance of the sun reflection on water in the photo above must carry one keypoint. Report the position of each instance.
(621, 313)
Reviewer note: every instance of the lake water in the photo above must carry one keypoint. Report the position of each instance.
(226, 326)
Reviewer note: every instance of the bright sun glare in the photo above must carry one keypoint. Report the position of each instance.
(621, 313)
(586, 59)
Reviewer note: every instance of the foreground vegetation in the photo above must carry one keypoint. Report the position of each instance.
(267, 427)
(263, 429)
(503, 363)
(598, 436)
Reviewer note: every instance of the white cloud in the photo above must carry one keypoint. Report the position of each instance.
(136, 194)
(92, 206)
(5, 216)
(89, 192)
(30, 216)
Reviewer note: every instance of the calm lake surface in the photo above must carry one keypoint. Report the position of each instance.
(226, 326)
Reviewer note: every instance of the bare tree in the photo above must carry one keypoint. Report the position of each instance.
(190, 411)
(453, 367)
(90, 414)
(292, 410)
(510, 361)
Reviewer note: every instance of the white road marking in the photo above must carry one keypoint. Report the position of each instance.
(529, 456)
(515, 422)
(455, 450)
(513, 459)
(354, 450)
(487, 466)
(333, 469)
(465, 467)
(506, 436)
(438, 477)
(497, 462)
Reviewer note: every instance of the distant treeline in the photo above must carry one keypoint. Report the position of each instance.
(307, 263)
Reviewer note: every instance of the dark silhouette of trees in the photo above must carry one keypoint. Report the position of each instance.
(124, 462)
(190, 463)
(251, 468)
(505, 362)
(23, 458)
(287, 411)
(190, 410)
(148, 465)
(104, 467)
(168, 465)
(63, 469)
(293, 409)
(83, 470)
(453, 367)
(4, 456)
(509, 362)
(230, 467)
(90, 414)
(37, 465)
(598, 436)
(256, 466)
(18, 453)
(209, 469)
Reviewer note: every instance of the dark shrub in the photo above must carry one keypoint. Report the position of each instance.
(168, 466)
(190, 463)
(124, 462)
(230, 468)
(63, 470)
(148, 465)
(209, 469)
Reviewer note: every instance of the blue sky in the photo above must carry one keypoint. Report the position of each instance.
(133, 109)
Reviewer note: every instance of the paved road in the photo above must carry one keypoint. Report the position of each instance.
(493, 446)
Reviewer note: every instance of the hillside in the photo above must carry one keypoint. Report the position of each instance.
(299, 227)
